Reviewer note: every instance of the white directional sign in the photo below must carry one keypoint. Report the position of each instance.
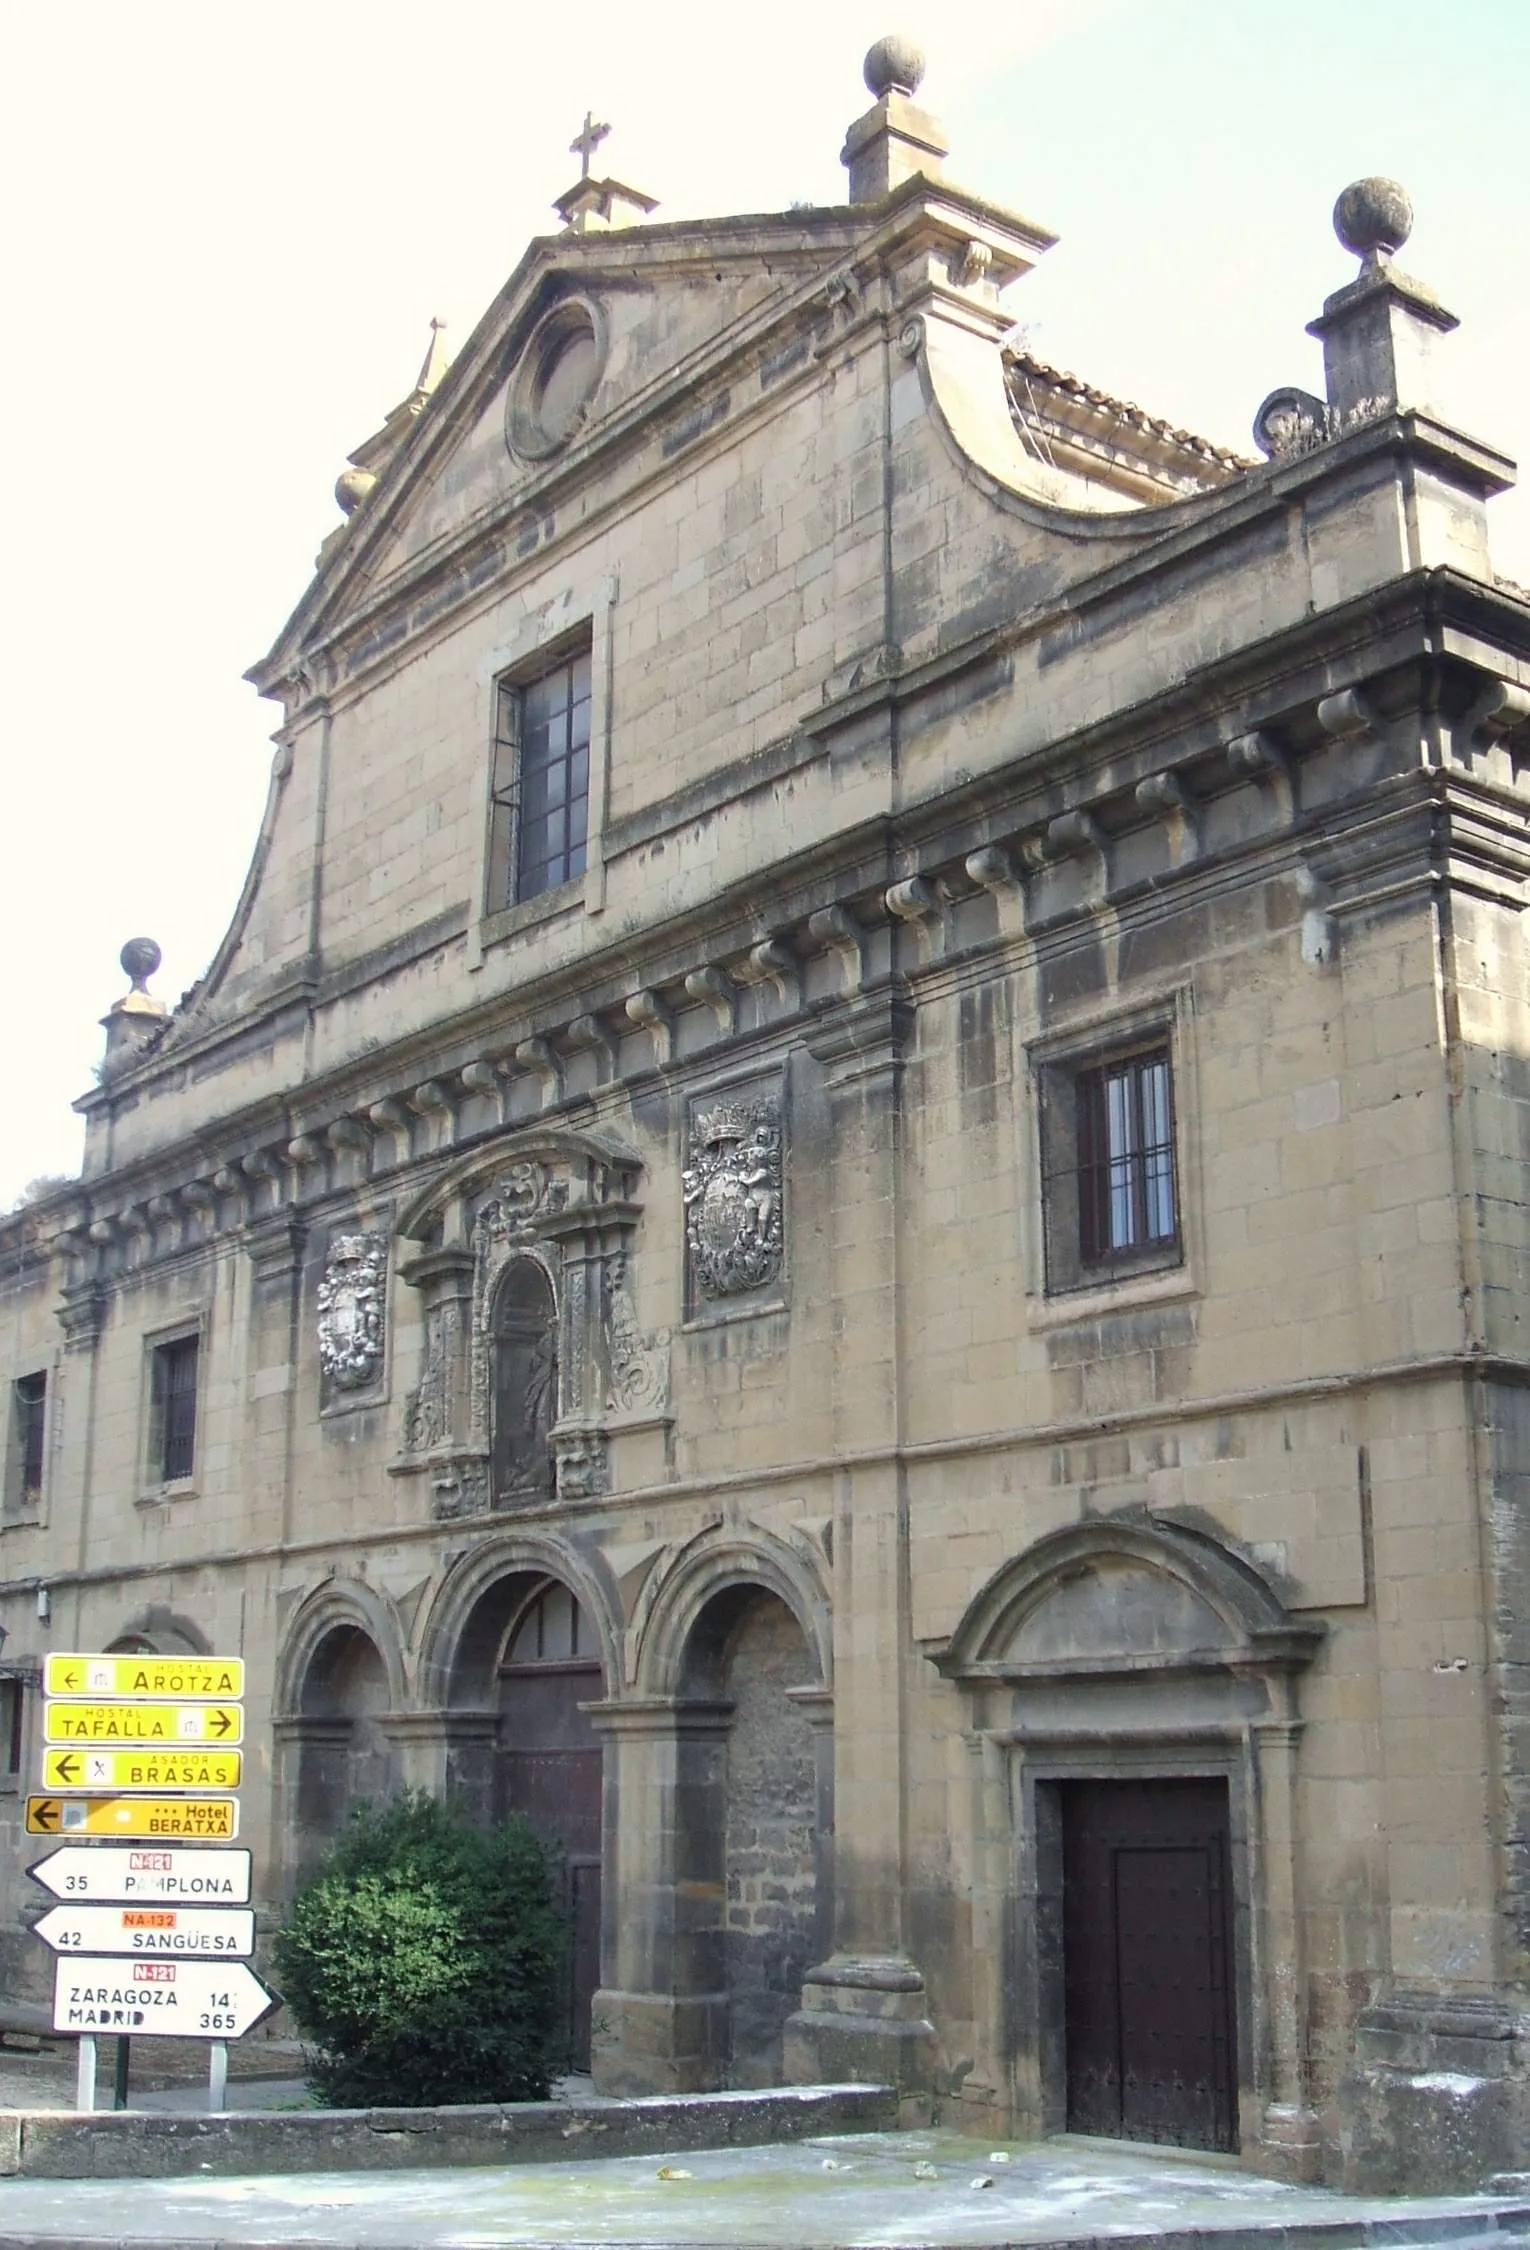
(203, 1932)
(159, 1999)
(146, 1872)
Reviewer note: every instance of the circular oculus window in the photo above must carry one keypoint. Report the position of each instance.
(559, 371)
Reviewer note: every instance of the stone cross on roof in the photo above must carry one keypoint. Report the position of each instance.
(586, 141)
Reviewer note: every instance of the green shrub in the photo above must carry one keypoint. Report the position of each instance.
(428, 1961)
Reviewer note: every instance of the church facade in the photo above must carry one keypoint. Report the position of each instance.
(845, 1210)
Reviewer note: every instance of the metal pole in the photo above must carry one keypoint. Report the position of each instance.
(85, 2071)
(217, 2074)
(120, 2074)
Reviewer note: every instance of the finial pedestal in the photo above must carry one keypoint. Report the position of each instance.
(1378, 333)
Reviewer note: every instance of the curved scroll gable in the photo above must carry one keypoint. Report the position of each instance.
(1125, 1594)
(548, 1170)
(961, 376)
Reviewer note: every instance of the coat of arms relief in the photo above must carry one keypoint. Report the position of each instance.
(352, 1304)
(734, 1215)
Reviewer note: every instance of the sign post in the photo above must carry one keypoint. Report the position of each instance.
(154, 1928)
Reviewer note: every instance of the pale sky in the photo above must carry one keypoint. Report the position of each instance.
(229, 227)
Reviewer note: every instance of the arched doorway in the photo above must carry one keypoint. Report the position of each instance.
(343, 1756)
(529, 1654)
(752, 1843)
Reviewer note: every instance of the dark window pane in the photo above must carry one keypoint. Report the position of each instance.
(175, 1405)
(31, 1419)
(1126, 1158)
(554, 778)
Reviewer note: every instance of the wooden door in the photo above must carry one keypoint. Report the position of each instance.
(549, 1768)
(1147, 1951)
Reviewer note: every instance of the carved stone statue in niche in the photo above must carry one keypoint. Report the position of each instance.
(733, 1196)
(352, 1300)
(524, 1389)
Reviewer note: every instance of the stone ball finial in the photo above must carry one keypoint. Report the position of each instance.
(140, 957)
(893, 66)
(353, 487)
(1373, 218)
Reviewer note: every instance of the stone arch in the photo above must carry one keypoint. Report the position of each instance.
(158, 1631)
(339, 1680)
(337, 1604)
(519, 1643)
(1125, 1592)
(529, 1552)
(674, 1601)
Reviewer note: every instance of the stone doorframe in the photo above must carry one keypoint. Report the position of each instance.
(1132, 1648)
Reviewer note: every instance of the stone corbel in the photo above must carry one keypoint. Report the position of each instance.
(431, 1100)
(995, 872)
(390, 1121)
(1497, 712)
(347, 1135)
(303, 1152)
(1077, 835)
(835, 930)
(715, 989)
(590, 1033)
(1167, 793)
(480, 1078)
(199, 1201)
(541, 1062)
(1348, 717)
(773, 962)
(649, 1013)
(260, 1165)
(925, 907)
(1258, 755)
(164, 1211)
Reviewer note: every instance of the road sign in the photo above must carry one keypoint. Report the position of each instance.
(223, 1932)
(142, 1769)
(221, 1724)
(116, 1676)
(159, 1999)
(173, 1820)
(138, 1872)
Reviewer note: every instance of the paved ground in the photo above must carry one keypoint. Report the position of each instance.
(889, 2189)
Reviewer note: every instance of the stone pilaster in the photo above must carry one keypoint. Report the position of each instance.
(275, 1249)
(660, 2018)
(863, 2008)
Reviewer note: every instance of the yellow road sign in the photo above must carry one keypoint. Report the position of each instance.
(218, 1676)
(218, 1724)
(172, 1820)
(142, 1769)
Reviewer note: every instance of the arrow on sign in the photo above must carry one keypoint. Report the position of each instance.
(219, 1723)
(128, 1872)
(159, 1999)
(66, 1768)
(43, 1816)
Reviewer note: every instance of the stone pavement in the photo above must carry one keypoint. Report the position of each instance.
(848, 2193)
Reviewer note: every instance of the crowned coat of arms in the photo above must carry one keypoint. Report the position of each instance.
(351, 1300)
(733, 1209)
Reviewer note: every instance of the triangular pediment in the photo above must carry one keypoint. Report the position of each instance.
(669, 310)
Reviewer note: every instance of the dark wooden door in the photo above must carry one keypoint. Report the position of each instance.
(1147, 1954)
(549, 1768)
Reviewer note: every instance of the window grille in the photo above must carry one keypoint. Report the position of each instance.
(31, 1396)
(542, 778)
(1127, 1200)
(174, 1410)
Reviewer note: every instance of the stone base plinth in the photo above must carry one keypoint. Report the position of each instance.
(863, 2020)
(656, 2043)
(1437, 2100)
